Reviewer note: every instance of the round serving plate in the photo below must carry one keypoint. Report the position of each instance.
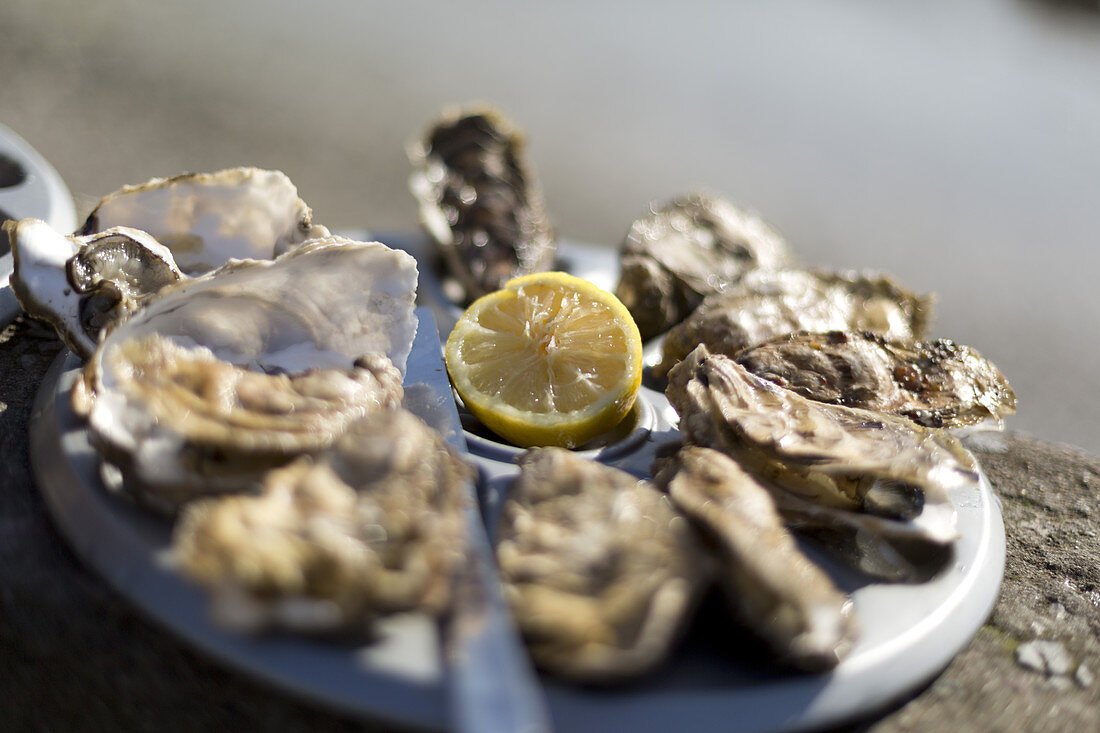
(29, 187)
(907, 631)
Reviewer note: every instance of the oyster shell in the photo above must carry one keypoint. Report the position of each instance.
(206, 219)
(480, 202)
(934, 383)
(80, 285)
(686, 249)
(181, 423)
(769, 303)
(775, 589)
(881, 471)
(600, 572)
(373, 526)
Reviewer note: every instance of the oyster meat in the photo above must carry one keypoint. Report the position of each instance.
(206, 219)
(80, 285)
(869, 469)
(775, 589)
(181, 423)
(372, 526)
(934, 383)
(685, 250)
(480, 202)
(600, 571)
(769, 303)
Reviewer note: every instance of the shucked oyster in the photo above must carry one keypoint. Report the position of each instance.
(372, 526)
(879, 471)
(776, 590)
(181, 423)
(769, 303)
(599, 570)
(80, 285)
(480, 202)
(685, 250)
(934, 383)
(206, 219)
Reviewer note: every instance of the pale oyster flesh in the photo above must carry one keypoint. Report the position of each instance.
(769, 303)
(775, 589)
(685, 250)
(480, 202)
(206, 219)
(600, 571)
(82, 285)
(934, 383)
(878, 470)
(372, 526)
(181, 423)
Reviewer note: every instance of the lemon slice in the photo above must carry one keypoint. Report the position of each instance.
(551, 359)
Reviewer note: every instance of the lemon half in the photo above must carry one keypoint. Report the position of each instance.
(551, 359)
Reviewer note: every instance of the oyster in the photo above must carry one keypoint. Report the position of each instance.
(775, 589)
(480, 201)
(181, 423)
(686, 249)
(206, 219)
(600, 572)
(881, 471)
(934, 383)
(373, 526)
(80, 285)
(769, 303)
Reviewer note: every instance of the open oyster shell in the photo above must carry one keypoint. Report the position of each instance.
(181, 423)
(372, 526)
(934, 383)
(600, 572)
(775, 589)
(206, 219)
(479, 200)
(879, 471)
(80, 285)
(685, 250)
(769, 303)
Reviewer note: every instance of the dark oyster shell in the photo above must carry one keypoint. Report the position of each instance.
(480, 201)
(769, 303)
(600, 571)
(686, 249)
(373, 526)
(934, 383)
(774, 588)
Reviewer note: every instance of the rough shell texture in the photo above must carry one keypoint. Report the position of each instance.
(882, 472)
(600, 571)
(81, 285)
(686, 249)
(775, 589)
(373, 526)
(180, 423)
(769, 303)
(480, 202)
(206, 219)
(934, 383)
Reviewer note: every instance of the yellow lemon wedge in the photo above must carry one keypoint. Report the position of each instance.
(551, 359)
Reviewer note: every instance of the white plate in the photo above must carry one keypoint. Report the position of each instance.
(908, 633)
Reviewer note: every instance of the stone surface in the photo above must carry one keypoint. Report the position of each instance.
(74, 656)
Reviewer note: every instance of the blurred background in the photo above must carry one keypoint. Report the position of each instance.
(953, 144)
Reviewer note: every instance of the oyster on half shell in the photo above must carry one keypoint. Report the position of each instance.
(206, 219)
(600, 571)
(769, 303)
(480, 202)
(685, 250)
(374, 525)
(871, 469)
(937, 383)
